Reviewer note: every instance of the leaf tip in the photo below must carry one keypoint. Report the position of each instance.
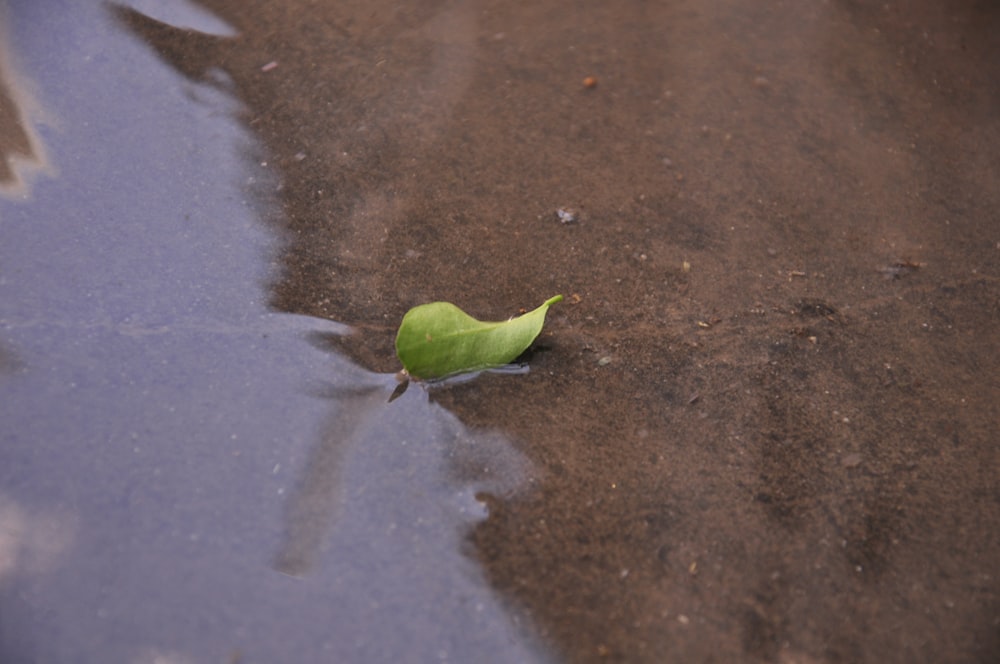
(552, 300)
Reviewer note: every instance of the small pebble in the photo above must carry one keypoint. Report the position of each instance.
(568, 215)
(852, 460)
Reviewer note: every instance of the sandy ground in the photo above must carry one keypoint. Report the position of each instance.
(765, 416)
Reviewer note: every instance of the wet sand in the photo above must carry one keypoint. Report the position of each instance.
(764, 420)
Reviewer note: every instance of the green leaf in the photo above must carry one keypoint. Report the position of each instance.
(438, 339)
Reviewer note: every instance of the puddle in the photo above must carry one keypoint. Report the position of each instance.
(187, 476)
(759, 428)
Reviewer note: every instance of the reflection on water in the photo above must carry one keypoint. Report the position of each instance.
(21, 151)
(318, 501)
(378, 448)
(383, 509)
(31, 543)
(8, 361)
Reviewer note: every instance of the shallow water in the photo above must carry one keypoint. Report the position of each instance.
(761, 426)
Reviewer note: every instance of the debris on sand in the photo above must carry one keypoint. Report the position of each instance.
(568, 215)
(899, 268)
